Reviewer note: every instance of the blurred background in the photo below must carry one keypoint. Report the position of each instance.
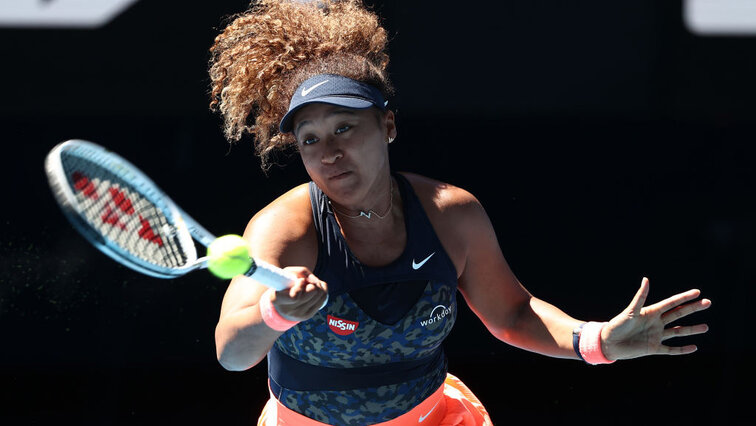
(607, 140)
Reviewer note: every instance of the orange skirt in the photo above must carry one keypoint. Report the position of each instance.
(451, 405)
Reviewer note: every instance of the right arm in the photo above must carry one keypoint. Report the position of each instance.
(280, 234)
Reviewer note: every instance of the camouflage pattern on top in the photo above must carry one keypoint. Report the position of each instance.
(360, 407)
(343, 336)
(371, 343)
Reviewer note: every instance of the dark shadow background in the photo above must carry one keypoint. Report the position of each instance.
(606, 142)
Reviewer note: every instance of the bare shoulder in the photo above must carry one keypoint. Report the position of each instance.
(443, 200)
(282, 233)
(454, 212)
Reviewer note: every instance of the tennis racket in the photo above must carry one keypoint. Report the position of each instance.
(123, 213)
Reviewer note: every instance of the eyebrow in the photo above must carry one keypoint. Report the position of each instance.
(339, 111)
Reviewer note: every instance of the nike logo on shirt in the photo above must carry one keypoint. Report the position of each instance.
(422, 418)
(305, 92)
(416, 265)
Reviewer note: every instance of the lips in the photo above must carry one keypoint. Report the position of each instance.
(339, 175)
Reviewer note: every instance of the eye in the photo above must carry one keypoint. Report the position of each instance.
(343, 129)
(309, 140)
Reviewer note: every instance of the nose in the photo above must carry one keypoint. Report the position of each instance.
(332, 152)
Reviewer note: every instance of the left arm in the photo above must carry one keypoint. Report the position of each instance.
(497, 297)
(516, 317)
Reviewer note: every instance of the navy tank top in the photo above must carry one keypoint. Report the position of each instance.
(375, 350)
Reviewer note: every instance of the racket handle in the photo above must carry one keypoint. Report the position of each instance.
(269, 275)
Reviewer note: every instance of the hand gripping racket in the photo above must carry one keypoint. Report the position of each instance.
(124, 214)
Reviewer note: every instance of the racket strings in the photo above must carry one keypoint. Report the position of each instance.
(122, 214)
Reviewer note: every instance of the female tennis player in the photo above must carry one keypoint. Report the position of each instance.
(379, 255)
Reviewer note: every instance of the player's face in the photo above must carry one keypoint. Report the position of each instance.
(345, 151)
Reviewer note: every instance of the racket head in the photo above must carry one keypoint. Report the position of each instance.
(120, 210)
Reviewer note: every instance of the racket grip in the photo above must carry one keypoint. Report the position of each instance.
(270, 275)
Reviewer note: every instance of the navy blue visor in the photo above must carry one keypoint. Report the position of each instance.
(335, 90)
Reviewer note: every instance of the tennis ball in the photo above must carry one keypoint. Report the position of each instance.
(228, 256)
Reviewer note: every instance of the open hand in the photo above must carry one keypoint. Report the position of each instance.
(640, 330)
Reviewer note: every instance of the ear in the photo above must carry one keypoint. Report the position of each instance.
(389, 121)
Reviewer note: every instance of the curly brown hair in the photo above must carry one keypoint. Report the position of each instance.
(265, 53)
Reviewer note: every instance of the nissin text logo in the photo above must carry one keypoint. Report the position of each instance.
(342, 327)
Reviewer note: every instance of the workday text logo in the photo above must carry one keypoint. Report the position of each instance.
(436, 316)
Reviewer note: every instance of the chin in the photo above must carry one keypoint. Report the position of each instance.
(342, 191)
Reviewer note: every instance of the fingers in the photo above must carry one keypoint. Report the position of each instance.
(306, 288)
(640, 298)
(680, 331)
(683, 331)
(676, 350)
(685, 310)
(304, 298)
(676, 300)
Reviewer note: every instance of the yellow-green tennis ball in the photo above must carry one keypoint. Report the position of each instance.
(228, 256)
